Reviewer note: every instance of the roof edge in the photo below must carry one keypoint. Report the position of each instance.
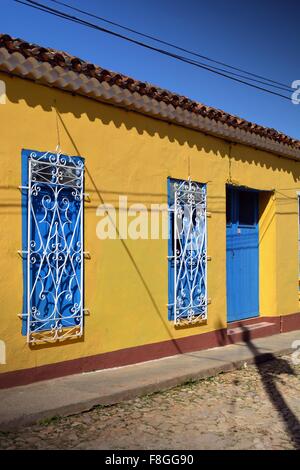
(77, 82)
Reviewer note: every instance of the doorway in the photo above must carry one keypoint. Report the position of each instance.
(242, 253)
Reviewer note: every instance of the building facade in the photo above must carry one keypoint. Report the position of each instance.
(135, 223)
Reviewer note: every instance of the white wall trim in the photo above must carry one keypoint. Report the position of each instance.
(61, 78)
(2, 352)
(2, 92)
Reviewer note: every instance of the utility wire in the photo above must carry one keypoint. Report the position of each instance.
(281, 86)
(60, 14)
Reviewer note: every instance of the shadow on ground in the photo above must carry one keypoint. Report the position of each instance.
(270, 375)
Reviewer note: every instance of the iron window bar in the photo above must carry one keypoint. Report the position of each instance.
(54, 254)
(190, 253)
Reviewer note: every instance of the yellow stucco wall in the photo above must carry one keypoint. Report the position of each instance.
(126, 281)
(267, 254)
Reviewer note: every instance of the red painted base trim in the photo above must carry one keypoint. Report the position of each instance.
(247, 335)
(151, 351)
(290, 322)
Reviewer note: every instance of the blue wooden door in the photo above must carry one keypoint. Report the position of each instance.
(242, 253)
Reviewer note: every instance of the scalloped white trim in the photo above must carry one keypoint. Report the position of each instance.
(77, 82)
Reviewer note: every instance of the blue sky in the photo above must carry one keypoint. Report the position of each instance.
(259, 36)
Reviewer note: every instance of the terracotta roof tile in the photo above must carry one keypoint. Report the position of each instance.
(65, 60)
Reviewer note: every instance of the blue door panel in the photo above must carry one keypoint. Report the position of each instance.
(242, 254)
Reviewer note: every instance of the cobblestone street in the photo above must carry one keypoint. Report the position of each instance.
(257, 407)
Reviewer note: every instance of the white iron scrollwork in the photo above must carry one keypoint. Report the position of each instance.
(54, 247)
(190, 252)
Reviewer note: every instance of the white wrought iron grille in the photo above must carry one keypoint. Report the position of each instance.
(189, 252)
(54, 255)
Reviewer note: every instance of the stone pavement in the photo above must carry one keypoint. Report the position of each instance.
(64, 396)
(255, 407)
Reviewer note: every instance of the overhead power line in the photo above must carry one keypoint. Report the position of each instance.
(71, 18)
(281, 86)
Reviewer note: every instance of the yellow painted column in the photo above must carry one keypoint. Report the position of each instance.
(287, 252)
(267, 254)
